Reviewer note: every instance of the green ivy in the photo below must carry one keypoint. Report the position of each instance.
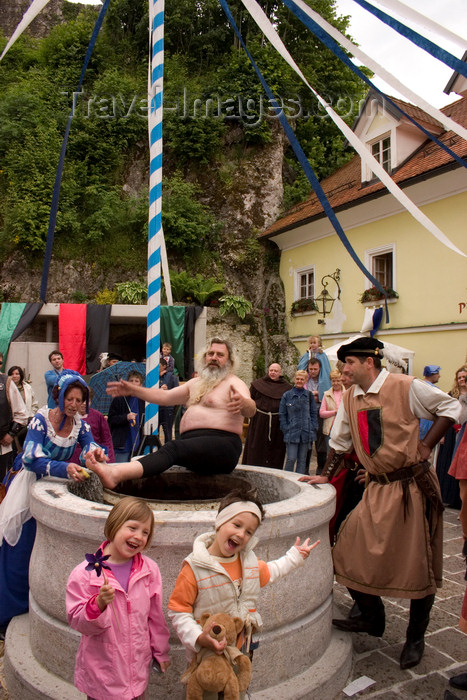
(188, 224)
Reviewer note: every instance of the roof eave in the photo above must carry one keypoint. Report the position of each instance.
(447, 167)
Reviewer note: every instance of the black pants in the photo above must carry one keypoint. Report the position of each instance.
(6, 462)
(372, 608)
(202, 451)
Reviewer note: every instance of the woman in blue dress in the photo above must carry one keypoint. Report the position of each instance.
(50, 442)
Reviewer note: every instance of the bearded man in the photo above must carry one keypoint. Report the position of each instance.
(264, 445)
(217, 401)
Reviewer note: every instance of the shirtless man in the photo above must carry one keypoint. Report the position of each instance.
(216, 400)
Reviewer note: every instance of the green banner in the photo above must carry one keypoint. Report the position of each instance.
(9, 317)
(173, 332)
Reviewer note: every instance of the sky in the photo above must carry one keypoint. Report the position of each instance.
(421, 72)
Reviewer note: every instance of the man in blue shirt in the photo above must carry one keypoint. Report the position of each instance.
(431, 376)
(52, 375)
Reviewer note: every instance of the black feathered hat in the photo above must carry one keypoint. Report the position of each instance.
(366, 347)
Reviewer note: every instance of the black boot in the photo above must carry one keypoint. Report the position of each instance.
(415, 637)
(459, 681)
(450, 696)
(371, 618)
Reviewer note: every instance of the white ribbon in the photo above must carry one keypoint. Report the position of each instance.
(32, 12)
(408, 13)
(448, 123)
(268, 30)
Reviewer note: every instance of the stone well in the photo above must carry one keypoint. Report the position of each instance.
(299, 655)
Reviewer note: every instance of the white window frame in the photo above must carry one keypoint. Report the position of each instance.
(379, 141)
(367, 172)
(297, 273)
(372, 253)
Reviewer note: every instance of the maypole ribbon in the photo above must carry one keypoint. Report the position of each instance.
(339, 53)
(448, 123)
(424, 21)
(416, 38)
(61, 160)
(155, 94)
(268, 30)
(32, 12)
(308, 170)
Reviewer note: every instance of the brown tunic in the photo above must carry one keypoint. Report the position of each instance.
(378, 551)
(264, 445)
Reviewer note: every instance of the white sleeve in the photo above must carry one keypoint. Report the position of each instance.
(427, 401)
(283, 566)
(187, 629)
(340, 435)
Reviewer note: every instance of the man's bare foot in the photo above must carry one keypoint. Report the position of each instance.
(107, 473)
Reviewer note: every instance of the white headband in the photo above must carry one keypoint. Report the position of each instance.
(234, 509)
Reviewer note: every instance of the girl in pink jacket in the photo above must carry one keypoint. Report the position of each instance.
(121, 620)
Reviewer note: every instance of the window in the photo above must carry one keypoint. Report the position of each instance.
(381, 263)
(382, 269)
(381, 150)
(305, 284)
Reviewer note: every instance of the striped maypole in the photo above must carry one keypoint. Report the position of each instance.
(155, 85)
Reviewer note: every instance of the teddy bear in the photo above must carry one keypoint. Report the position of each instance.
(215, 672)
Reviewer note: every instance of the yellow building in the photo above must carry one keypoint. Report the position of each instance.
(429, 315)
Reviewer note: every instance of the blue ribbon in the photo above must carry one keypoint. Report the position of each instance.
(61, 160)
(416, 38)
(337, 51)
(308, 170)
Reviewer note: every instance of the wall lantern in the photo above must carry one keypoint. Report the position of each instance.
(324, 301)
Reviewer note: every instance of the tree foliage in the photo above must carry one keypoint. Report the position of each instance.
(210, 88)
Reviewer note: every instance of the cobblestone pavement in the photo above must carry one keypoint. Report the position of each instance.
(446, 646)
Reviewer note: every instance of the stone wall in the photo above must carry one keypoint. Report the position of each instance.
(247, 346)
(250, 347)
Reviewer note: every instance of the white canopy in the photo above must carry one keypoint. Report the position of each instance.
(393, 351)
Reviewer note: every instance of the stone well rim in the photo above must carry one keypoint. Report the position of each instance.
(50, 499)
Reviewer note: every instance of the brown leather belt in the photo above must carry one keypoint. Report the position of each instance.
(423, 481)
(403, 474)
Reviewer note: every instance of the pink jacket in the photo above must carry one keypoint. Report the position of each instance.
(115, 663)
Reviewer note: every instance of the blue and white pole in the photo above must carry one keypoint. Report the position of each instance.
(155, 93)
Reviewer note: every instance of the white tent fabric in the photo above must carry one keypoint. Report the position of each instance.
(394, 351)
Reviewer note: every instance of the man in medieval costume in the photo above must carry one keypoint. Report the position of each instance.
(264, 445)
(391, 543)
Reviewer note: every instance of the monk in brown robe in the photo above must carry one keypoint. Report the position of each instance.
(391, 543)
(264, 445)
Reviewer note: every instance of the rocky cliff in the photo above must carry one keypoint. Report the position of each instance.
(13, 10)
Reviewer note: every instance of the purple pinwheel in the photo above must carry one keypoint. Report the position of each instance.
(96, 562)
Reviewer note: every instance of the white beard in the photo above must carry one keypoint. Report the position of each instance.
(209, 377)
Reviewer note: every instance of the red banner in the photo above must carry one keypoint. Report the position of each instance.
(72, 336)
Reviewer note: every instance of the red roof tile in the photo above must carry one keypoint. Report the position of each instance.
(344, 187)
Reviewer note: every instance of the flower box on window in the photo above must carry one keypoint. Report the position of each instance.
(373, 294)
(302, 306)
